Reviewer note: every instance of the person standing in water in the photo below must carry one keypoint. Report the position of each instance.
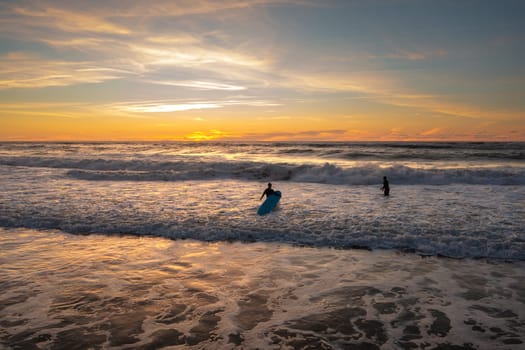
(268, 191)
(386, 186)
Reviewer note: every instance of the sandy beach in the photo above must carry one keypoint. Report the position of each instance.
(62, 291)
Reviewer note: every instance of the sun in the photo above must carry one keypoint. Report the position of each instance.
(207, 136)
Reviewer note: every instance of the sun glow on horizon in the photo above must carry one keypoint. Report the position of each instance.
(206, 136)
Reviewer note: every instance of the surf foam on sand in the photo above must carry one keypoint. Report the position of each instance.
(64, 291)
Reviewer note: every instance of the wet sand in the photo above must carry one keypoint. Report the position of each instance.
(62, 291)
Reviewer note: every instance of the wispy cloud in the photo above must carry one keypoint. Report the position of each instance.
(388, 89)
(164, 108)
(200, 85)
(413, 55)
(117, 17)
(26, 70)
(47, 109)
(432, 131)
(322, 135)
(69, 21)
(311, 135)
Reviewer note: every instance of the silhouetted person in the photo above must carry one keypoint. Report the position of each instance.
(268, 191)
(386, 187)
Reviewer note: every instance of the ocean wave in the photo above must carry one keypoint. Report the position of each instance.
(419, 155)
(296, 150)
(331, 194)
(325, 174)
(376, 151)
(459, 220)
(364, 174)
(362, 232)
(452, 247)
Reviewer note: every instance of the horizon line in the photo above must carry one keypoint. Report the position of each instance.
(254, 141)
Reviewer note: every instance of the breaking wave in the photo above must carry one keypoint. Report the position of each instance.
(328, 173)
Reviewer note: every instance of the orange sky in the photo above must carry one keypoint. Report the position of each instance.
(262, 70)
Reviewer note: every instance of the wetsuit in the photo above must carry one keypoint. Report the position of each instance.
(268, 192)
(386, 187)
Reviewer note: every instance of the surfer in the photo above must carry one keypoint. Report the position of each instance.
(386, 187)
(268, 191)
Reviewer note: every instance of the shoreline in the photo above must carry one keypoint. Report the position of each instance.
(62, 290)
(408, 251)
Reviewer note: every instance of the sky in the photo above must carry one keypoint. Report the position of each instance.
(264, 70)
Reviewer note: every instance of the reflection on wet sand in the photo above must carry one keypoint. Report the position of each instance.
(62, 291)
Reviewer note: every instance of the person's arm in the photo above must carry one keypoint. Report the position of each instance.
(262, 195)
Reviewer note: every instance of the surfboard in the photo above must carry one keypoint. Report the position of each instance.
(270, 203)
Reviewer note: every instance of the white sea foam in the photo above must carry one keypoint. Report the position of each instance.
(457, 209)
(357, 174)
(454, 220)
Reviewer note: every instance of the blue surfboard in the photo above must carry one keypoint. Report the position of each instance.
(270, 203)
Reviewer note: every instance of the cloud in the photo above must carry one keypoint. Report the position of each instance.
(200, 85)
(312, 135)
(69, 21)
(134, 61)
(432, 131)
(47, 109)
(386, 88)
(442, 105)
(164, 55)
(104, 58)
(26, 70)
(413, 55)
(193, 7)
(174, 39)
(118, 36)
(110, 17)
(250, 102)
(395, 134)
(164, 108)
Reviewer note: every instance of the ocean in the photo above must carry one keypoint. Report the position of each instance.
(158, 245)
(450, 199)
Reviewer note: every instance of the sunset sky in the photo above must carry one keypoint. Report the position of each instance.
(262, 70)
